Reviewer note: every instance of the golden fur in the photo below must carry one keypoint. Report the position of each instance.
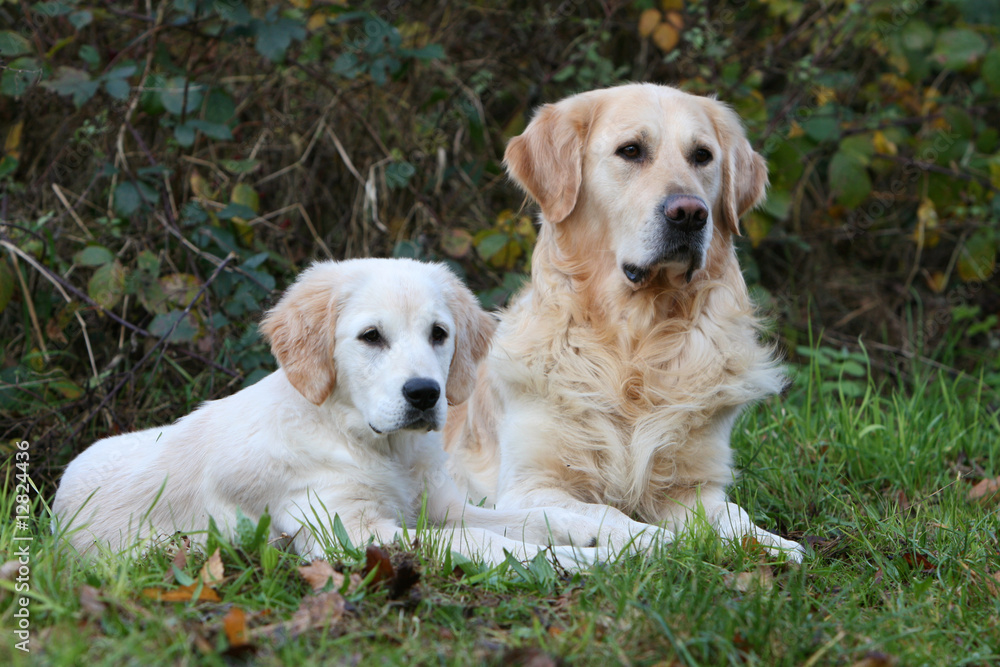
(606, 389)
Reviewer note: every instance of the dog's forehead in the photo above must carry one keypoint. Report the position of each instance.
(398, 298)
(655, 113)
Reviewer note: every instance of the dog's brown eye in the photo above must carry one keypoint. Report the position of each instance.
(371, 336)
(630, 152)
(438, 334)
(702, 156)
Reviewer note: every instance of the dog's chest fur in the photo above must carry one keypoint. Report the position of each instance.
(650, 414)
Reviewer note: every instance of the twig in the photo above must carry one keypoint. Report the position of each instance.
(71, 210)
(32, 315)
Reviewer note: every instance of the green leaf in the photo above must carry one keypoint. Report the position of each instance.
(245, 195)
(212, 130)
(80, 19)
(20, 75)
(182, 577)
(917, 35)
(185, 134)
(398, 174)
(107, 285)
(234, 210)
(822, 126)
(490, 244)
(425, 53)
(273, 39)
(52, 9)
(958, 48)
(13, 44)
(93, 255)
(184, 331)
(75, 82)
(172, 96)
(238, 167)
(89, 55)
(149, 263)
(127, 199)
(990, 70)
(849, 180)
(117, 88)
(858, 146)
(219, 107)
(977, 261)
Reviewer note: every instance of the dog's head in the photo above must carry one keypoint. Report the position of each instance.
(661, 172)
(391, 338)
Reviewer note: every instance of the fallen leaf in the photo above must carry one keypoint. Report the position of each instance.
(234, 623)
(319, 572)
(182, 594)
(377, 557)
(917, 560)
(322, 610)
(761, 579)
(9, 570)
(875, 659)
(212, 572)
(648, 20)
(90, 602)
(985, 489)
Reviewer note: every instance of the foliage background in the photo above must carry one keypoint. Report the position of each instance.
(168, 167)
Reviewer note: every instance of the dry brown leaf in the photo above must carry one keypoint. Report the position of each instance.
(212, 572)
(648, 20)
(234, 623)
(666, 37)
(760, 579)
(675, 19)
(985, 490)
(182, 594)
(319, 572)
(875, 659)
(315, 611)
(9, 570)
(90, 602)
(376, 557)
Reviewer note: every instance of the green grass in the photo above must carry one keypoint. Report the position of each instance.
(898, 570)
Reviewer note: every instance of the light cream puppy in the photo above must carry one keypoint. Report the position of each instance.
(371, 351)
(617, 374)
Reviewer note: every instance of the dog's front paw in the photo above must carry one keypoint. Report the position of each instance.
(575, 559)
(777, 545)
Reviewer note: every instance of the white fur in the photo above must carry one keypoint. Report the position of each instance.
(328, 433)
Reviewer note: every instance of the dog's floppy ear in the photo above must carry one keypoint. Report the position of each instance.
(744, 171)
(474, 330)
(546, 160)
(300, 329)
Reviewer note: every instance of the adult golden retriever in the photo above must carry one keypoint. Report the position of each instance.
(616, 375)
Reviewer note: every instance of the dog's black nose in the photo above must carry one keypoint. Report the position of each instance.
(421, 393)
(685, 212)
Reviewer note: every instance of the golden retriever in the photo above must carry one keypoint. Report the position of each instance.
(616, 375)
(369, 351)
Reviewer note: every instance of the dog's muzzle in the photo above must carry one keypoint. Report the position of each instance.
(683, 225)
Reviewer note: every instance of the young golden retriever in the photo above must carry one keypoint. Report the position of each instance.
(371, 351)
(615, 377)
